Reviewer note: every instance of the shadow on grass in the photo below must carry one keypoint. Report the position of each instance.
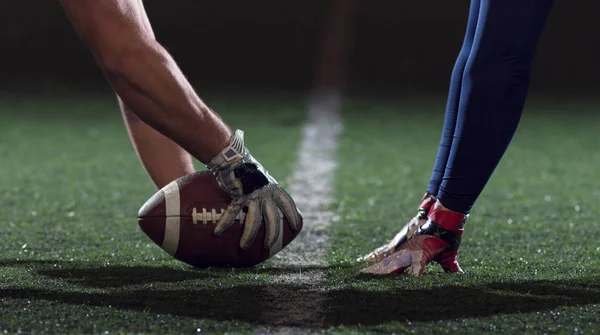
(30, 263)
(289, 304)
(121, 276)
(444, 303)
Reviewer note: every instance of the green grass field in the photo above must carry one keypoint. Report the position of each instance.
(73, 260)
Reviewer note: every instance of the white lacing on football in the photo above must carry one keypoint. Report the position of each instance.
(208, 216)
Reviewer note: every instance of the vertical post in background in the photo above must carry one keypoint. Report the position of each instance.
(332, 62)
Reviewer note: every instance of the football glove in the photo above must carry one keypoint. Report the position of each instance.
(440, 234)
(253, 190)
(404, 234)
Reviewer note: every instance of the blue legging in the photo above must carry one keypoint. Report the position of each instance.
(487, 95)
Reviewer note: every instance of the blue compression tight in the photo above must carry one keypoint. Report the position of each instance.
(487, 95)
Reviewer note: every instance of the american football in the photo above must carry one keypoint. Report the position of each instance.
(181, 217)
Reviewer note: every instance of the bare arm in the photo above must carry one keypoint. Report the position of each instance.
(149, 82)
(145, 76)
(162, 158)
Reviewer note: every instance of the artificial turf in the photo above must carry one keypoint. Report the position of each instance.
(72, 259)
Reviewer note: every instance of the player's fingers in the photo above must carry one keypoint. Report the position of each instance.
(370, 256)
(394, 264)
(416, 268)
(251, 225)
(288, 207)
(423, 248)
(447, 260)
(227, 218)
(401, 237)
(273, 222)
(387, 249)
(376, 255)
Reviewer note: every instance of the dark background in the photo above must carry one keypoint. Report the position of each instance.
(399, 46)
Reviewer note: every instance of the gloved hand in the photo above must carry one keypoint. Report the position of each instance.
(404, 234)
(250, 186)
(436, 240)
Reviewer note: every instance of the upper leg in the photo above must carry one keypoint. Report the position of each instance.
(471, 26)
(508, 31)
(504, 47)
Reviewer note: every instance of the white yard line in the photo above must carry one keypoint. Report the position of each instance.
(313, 190)
(313, 181)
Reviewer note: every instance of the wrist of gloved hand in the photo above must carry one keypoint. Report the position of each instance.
(252, 189)
(237, 172)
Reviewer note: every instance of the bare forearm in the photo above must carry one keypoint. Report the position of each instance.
(151, 83)
(145, 76)
(162, 158)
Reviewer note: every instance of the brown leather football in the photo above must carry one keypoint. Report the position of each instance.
(181, 217)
